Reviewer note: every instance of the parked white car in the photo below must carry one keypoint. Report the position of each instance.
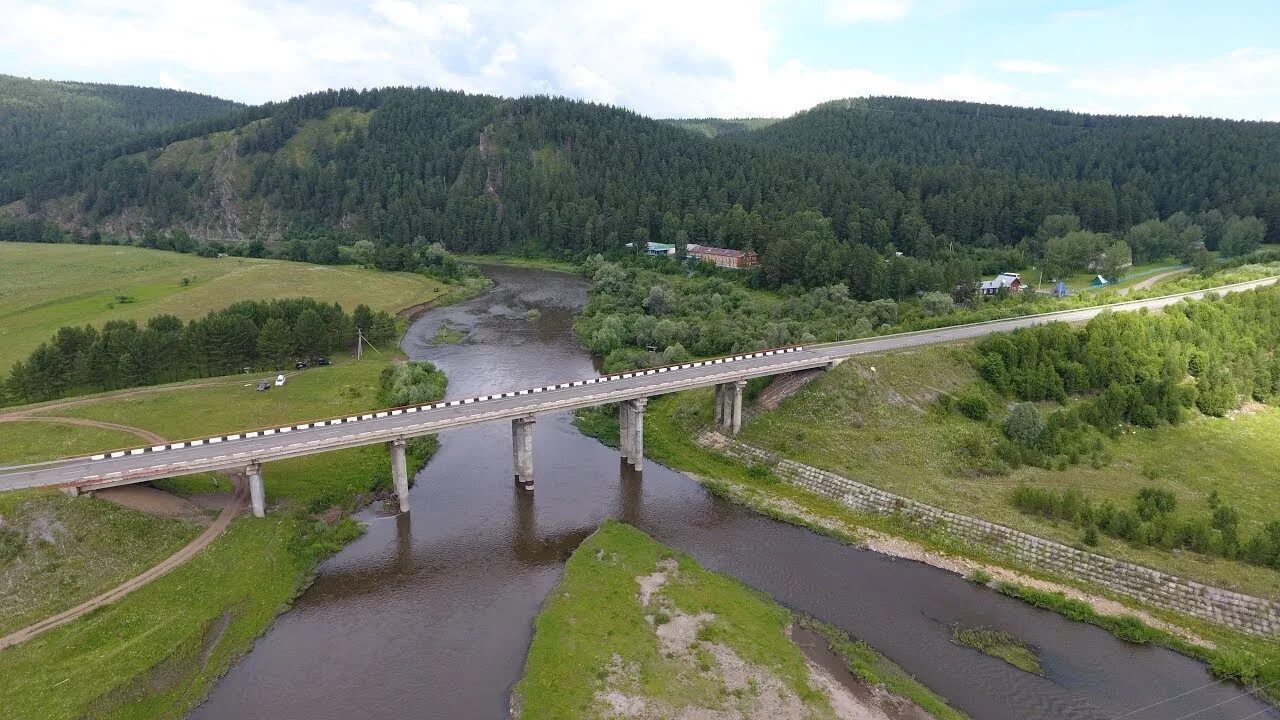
(279, 380)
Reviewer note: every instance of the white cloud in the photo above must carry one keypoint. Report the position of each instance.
(1243, 84)
(666, 58)
(855, 11)
(1029, 67)
(167, 80)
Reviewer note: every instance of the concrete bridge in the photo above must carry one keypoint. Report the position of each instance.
(249, 449)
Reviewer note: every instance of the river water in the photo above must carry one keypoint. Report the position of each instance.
(429, 615)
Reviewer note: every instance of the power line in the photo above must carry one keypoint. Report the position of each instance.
(1194, 690)
(1231, 699)
(1246, 717)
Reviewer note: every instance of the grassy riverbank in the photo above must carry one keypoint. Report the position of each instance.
(84, 284)
(673, 421)
(519, 261)
(635, 629)
(875, 420)
(185, 629)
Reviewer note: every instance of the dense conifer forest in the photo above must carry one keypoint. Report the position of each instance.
(45, 124)
(890, 197)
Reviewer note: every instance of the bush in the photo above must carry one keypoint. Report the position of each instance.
(1024, 424)
(973, 406)
(1153, 502)
(413, 383)
(1091, 536)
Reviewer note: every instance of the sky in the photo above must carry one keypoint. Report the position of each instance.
(677, 58)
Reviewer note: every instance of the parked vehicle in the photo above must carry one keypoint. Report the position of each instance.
(280, 381)
(300, 365)
(322, 361)
(264, 385)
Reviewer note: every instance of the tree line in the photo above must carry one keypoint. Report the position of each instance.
(248, 334)
(324, 247)
(1151, 520)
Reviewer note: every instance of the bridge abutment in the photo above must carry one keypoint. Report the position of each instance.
(400, 473)
(257, 496)
(522, 450)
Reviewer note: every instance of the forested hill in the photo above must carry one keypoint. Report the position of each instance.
(45, 123)
(1177, 163)
(899, 206)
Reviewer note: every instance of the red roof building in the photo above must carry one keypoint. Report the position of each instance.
(723, 257)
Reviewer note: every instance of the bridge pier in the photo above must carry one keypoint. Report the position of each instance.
(729, 406)
(522, 450)
(400, 473)
(71, 490)
(256, 494)
(631, 431)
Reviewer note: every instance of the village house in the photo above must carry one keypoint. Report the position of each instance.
(1011, 282)
(723, 257)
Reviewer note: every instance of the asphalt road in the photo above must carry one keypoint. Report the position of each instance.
(238, 450)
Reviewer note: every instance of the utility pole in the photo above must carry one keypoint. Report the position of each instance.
(359, 342)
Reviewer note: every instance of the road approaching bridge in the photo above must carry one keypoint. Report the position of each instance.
(247, 450)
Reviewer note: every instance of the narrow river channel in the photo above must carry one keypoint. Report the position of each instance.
(429, 615)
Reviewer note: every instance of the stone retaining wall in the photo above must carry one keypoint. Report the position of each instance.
(1246, 613)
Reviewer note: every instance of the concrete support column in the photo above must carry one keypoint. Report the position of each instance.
(624, 430)
(522, 444)
(400, 473)
(739, 388)
(256, 494)
(719, 406)
(637, 432)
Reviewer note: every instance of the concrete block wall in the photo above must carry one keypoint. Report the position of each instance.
(1256, 616)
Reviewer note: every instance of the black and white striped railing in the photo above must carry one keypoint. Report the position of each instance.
(437, 406)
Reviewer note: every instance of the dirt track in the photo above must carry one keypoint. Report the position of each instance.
(230, 509)
(1144, 284)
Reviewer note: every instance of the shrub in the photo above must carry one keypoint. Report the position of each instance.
(1130, 628)
(980, 576)
(1152, 502)
(1091, 536)
(1024, 424)
(973, 406)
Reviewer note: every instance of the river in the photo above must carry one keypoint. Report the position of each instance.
(429, 614)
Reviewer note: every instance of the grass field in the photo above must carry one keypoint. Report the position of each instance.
(56, 552)
(44, 287)
(26, 442)
(1082, 281)
(873, 420)
(156, 652)
(182, 413)
(633, 621)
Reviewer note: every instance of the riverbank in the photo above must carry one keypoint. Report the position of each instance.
(244, 577)
(673, 423)
(522, 262)
(189, 626)
(636, 630)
